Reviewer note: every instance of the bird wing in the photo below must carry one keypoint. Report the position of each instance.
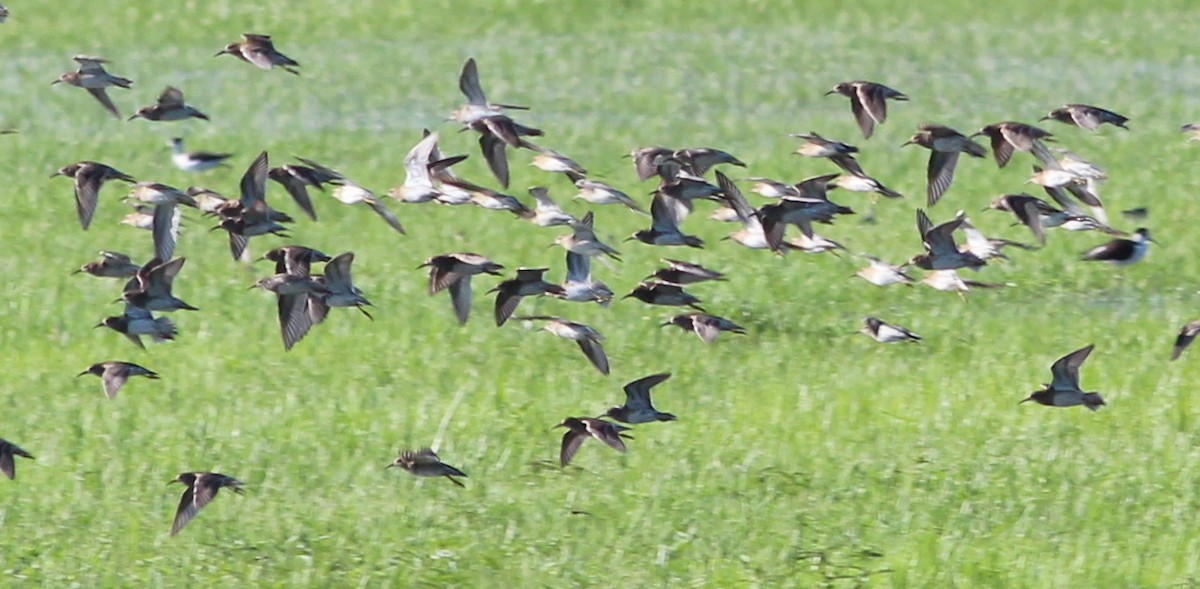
(172, 98)
(382, 210)
(1066, 369)
(609, 433)
(254, 181)
(1186, 335)
(187, 504)
(88, 180)
(594, 351)
(165, 229)
(468, 82)
(579, 267)
(493, 151)
(637, 393)
(114, 378)
(866, 122)
(416, 161)
(102, 96)
(570, 445)
(940, 174)
(460, 297)
(705, 327)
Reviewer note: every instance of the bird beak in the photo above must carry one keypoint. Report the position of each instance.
(389, 466)
(135, 115)
(1044, 118)
(97, 325)
(830, 92)
(82, 373)
(906, 143)
(221, 52)
(1026, 399)
(55, 82)
(664, 324)
(76, 272)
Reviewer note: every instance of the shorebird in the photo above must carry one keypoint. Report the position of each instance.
(529, 282)
(868, 102)
(579, 429)
(707, 327)
(699, 160)
(599, 193)
(839, 153)
(1054, 180)
(886, 333)
(638, 408)
(3, 13)
(547, 213)
(578, 285)
(295, 259)
(590, 341)
(114, 374)
(881, 273)
(944, 145)
(863, 183)
(941, 251)
(548, 160)
(260, 51)
(1008, 136)
(1121, 252)
(195, 161)
(665, 215)
(250, 216)
(419, 168)
(151, 288)
(768, 188)
(165, 217)
(682, 273)
(425, 463)
(813, 244)
(170, 107)
(337, 290)
(583, 241)
(659, 293)
(454, 271)
(646, 160)
(200, 489)
(982, 246)
(292, 294)
(7, 451)
(810, 205)
(949, 280)
(1086, 116)
(497, 131)
(751, 234)
(1063, 390)
(351, 193)
(136, 322)
(110, 265)
(1185, 337)
(297, 178)
(92, 77)
(89, 178)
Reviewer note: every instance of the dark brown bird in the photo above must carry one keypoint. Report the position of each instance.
(169, 107)
(868, 102)
(110, 265)
(7, 451)
(425, 463)
(1186, 335)
(89, 177)
(684, 273)
(706, 326)
(260, 51)
(637, 407)
(454, 271)
(659, 293)
(114, 374)
(1086, 116)
(1009, 136)
(529, 282)
(201, 488)
(579, 429)
(944, 145)
(295, 259)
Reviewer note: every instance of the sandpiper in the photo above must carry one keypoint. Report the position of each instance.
(170, 107)
(659, 293)
(1086, 116)
(1063, 390)
(944, 145)
(982, 246)
(425, 463)
(529, 282)
(1008, 136)
(638, 408)
(92, 77)
(151, 289)
(454, 271)
(683, 273)
(868, 102)
(665, 215)
(647, 159)
(578, 284)
(590, 341)
(89, 178)
(348, 192)
(839, 153)
(292, 293)
(583, 241)
(881, 273)
(547, 213)
(886, 333)
(548, 160)
(863, 183)
(810, 205)
(296, 179)
(1185, 337)
(941, 251)
(579, 429)
(195, 161)
(114, 374)
(338, 289)
(751, 234)
(699, 160)
(260, 51)
(418, 180)
(949, 280)
(477, 103)
(295, 259)
(1121, 252)
(201, 487)
(599, 193)
(496, 131)
(1054, 180)
(707, 327)
(110, 265)
(165, 226)
(136, 322)
(7, 451)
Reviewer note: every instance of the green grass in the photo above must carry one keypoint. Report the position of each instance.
(804, 455)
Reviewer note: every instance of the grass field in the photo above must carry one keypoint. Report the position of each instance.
(804, 455)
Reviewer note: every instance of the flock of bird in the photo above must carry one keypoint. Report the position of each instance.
(304, 298)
